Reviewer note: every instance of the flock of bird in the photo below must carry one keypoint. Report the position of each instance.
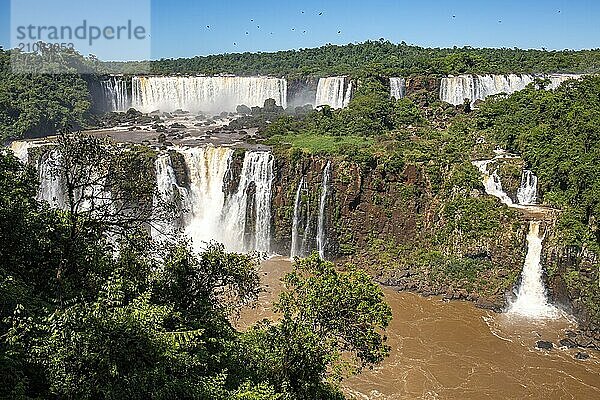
(339, 32)
(320, 13)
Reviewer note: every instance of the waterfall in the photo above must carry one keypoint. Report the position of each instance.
(205, 93)
(334, 91)
(455, 89)
(257, 174)
(52, 187)
(304, 247)
(527, 192)
(90, 196)
(207, 167)
(321, 238)
(116, 94)
(531, 299)
(295, 250)
(492, 183)
(168, 192)
(397, 88)
(20, 148)
(228, 221)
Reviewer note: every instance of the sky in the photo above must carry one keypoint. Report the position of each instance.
(184, 28)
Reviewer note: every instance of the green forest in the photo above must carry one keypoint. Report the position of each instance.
(392, 59)
(86, 314)
(92, 308)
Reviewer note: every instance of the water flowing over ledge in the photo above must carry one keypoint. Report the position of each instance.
(531, 300)
(397, 88)
(335, 91)
(205, 93)
(455, 89)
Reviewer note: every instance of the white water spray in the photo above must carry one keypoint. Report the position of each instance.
(455, 89)
(527, 192)
(397, 88)
(257, 171)
(321, 238)
(492, 182)
(531, 298)
(116, 94)
(205, 93)
(295, 250)
(334, 91)
(207, 167)
(167, 192)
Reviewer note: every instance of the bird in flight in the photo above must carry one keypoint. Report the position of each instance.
(320, 13)
(339, 31)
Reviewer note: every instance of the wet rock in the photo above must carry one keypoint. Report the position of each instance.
(243, 109)
(582, 355)
(544, 345)
(583, 340)
(488, 304)
(566, 342)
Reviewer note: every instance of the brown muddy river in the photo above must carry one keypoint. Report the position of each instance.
(452, 350)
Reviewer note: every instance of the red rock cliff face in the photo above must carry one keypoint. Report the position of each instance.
(391, 224)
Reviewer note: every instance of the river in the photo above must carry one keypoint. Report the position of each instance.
(453, 350)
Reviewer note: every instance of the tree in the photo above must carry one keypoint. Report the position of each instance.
(332, 327)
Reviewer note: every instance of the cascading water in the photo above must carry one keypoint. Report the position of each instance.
(21, 150)
(456, 89)
(257, 172)
(205, 93)
(397, 88)
(52, 187)
(492, 182)
(334, 91)
(207, 167)
(116, 94)
(321, 238)
(295, 249)
(305, 249)
(531, 298)
(527, 192)
(168, 192)
(90, 196)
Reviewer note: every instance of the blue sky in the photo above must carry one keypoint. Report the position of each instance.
(179, 27)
